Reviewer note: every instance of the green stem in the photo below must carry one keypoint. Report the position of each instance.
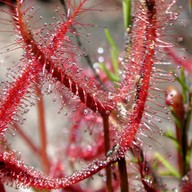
(185, 147)
(183, 84)
(109, 187)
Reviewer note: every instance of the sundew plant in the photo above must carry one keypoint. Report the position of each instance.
(120, 114)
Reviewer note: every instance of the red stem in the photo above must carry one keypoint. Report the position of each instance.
(2, 188)
(27, 139)
(43, 134)
(15, 170)
(109, 187)
(124, 186)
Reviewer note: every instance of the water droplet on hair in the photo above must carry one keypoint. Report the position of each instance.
(100, 50)
(85, 111)
(180, 39)
(54, 100)
(107, 112)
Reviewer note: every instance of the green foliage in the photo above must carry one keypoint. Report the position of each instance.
(113, 76)
(127, 13)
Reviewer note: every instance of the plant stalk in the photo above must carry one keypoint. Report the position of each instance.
(123, 175)
(27, 140)
(185, 147)
(2, 188)
(43, 134)
(109, 187)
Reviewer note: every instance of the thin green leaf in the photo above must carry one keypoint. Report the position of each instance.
(182, 82)
(166, 173)
(114, 56)
(167, 165)
(169, 134)
(111, 41)
(115, 63)
(176, 119)
(112, 77)
(185, 88)
(155, 165)
(127, 13)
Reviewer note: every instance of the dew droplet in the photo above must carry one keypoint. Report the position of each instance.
(101, 59)
(85, 111)
(100, 50)
(107, 112)
(54, 100)
(180, 39)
